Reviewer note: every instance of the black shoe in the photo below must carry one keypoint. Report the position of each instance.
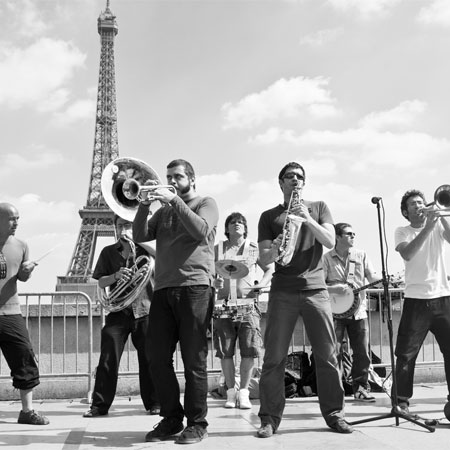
(403, 407)
(164, 430)
(32, 417)
(192, 435)
(341, 426)
(95, 412)
(265, 431)
(154, 410)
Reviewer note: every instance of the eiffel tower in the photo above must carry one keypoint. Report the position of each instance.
(96, 217)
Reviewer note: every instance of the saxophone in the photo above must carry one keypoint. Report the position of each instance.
(291, 229)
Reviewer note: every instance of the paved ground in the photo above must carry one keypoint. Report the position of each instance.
(302, 426)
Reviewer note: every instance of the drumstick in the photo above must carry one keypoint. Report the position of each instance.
(43, 256)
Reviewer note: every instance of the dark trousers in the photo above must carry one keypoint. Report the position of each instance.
(282, 313)
(118, 326)
(181, 314)
(418, 317)
(16, 347)
(359, 342)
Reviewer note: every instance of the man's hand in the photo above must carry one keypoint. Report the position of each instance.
(340, 289)
(28, 266)
(218, 283)
(123, 274)
(163, 194)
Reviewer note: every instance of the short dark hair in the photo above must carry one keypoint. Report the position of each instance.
(406, 196)
(290, 165)
(238, 216)
(117, 217)
(186, 164)
(339, 228)
(189, 170)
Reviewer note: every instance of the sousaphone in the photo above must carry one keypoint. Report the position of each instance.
(121, 183)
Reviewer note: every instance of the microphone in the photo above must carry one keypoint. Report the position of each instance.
(375, 200)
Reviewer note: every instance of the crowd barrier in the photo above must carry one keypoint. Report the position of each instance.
(65, 329)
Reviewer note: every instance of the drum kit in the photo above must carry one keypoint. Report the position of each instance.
(234, 308)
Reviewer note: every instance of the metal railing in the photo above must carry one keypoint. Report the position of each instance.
(60, 329)
(429, 355)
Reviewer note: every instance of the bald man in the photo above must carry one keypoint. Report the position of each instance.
(14, 339)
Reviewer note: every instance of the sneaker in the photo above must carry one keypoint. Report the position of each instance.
(231, 398)
(95, 412)
(403, 407)
(341, 426)
(244, 400)
(32, 417)
(163, 430)
(266, 431)
(192, 435)
(362, 395)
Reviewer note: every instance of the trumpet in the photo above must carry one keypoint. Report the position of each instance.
(441, 204)
(133, 190)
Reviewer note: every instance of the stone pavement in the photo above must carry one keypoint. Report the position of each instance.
(302, 426)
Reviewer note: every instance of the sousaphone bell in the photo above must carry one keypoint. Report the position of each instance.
(122, 183)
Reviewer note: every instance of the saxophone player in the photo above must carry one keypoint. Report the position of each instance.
(298, 287)
(113, 266)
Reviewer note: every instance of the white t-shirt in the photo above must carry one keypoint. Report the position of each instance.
(425, 272)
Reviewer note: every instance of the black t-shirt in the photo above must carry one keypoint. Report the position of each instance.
(305, 271)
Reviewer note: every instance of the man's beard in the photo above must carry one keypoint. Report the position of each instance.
(186, 189)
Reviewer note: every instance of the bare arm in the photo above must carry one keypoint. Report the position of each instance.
(446, 226)
(268, 271)
(324, 233)
(408, 250)
(268, 250)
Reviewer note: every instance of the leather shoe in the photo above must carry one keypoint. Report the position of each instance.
(265, 431)
(341, 426)
(154, 410)
(95, 412)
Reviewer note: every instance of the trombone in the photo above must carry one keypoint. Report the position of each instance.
(441, 204)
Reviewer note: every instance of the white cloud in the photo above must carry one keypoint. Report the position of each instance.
(365, 146)
(402, 115)
(35, 75)
(285, 99)
(12, 163)
(25, 18)
(318, 167)
(321, 37)
(367, 9)
(78, 110)
(218, 183)
(438, 12)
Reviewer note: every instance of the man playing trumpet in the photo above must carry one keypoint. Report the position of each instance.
(113, 267)
(427, 290)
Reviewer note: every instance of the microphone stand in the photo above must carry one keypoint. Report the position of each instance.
(396, 411)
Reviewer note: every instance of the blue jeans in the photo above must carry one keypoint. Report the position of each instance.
(282, 313)
(181, 314)
(418, 317)
(359, 342)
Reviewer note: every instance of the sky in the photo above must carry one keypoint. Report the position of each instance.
(356, 91)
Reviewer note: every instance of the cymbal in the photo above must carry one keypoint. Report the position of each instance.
(231, 269)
